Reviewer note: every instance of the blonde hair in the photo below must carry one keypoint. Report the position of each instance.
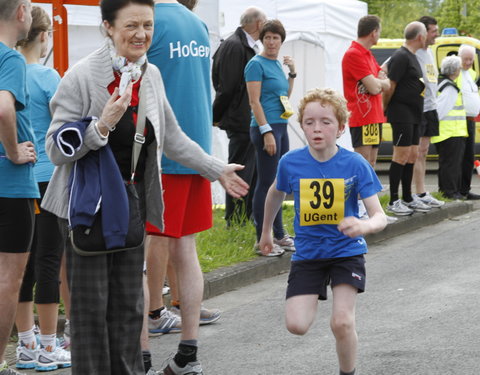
(325, 96)
(40, 23)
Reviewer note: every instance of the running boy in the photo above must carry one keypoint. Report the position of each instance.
(326, 180)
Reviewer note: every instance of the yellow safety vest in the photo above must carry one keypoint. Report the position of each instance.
(454, 124)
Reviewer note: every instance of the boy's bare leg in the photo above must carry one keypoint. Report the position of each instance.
(300, 312)
(343, 325)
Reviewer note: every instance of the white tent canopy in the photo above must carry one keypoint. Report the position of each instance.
(318, 34)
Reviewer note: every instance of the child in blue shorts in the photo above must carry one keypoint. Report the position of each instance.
(326, 181)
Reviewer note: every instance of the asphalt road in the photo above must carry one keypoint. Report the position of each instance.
(420, 315)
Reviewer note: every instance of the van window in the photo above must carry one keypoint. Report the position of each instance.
(382, 54)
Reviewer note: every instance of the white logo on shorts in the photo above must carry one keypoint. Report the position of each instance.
(356, 276)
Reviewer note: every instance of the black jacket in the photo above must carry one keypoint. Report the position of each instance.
(231, 108)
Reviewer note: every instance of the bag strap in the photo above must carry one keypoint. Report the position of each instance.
(139, 138)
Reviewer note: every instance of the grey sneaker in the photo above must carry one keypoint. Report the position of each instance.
(276, 251)
(207, 316)
(399, 209)
(192, 368)
(417, 205)
(152, 372)
(286, 243)
(429, 200)
(167, 323)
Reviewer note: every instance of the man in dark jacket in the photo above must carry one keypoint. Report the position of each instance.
(231, 109)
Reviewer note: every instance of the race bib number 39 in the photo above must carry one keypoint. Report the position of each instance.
(322, 201)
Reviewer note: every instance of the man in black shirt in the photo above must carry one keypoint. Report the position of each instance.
(404, 104)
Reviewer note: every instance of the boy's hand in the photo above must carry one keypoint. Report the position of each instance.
(353, 227)
(266, 244)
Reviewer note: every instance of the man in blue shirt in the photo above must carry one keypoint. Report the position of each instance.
(18, 187)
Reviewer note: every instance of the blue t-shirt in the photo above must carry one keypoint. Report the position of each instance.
(325, 240)
(274, 84)
(16, 181)
(42, 83)
(181, 50)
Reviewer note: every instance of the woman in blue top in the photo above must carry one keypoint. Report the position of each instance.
(44, 264)
(268, 92)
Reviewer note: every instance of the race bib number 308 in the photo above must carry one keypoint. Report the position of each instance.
(322, 201)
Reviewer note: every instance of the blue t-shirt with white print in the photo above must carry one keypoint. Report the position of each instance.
(181, 50)
(16, 180)
(325, 240)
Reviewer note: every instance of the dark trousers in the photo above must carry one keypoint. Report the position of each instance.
(241, 151)
(266, 172)
(450, 155)
(468, 159)
(43, 267)
(107, 312)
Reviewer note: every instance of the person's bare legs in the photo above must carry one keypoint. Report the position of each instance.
(183, 253)
(157, 259)
(420, 166)
(12, 267)
(370, 154)
(24, 319)
(300, 312)
(172, 282)
(342, 324)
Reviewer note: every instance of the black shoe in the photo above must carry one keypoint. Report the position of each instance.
(455, 196)
(472, 197)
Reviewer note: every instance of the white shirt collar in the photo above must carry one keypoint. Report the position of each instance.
(251, 42)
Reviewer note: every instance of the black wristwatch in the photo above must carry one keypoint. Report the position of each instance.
(292, 75)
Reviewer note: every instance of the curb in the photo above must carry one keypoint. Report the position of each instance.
(230, 278)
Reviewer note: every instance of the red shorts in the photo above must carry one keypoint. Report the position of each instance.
(187, 201)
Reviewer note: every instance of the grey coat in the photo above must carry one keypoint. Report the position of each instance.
(82, 93)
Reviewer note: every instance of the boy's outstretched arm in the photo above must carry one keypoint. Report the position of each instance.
(273, 203)
(352, 226)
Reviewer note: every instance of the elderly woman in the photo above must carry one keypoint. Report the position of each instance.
(103, 90)
(450, 142)
(268, 91)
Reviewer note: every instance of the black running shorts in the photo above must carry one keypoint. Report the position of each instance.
(313, 276)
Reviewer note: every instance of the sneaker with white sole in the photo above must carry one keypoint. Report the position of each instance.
(26, 358)
(399, 209)
(207, 316)
(276, 251)
(286, 243)
(192, 368)
(417, 205)
(50, 361)
(429, 200)
(5, 370)
(167, 323)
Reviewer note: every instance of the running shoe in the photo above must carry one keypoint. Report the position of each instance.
(9, 371)
(207, 316)
(399, 209)
(66, 335)
(50, 361)
(167, 323)
(26, 358)
(192, 368)
(276, 251)
(152, 371)
(429, 200)
(417, 205)
(286, 243)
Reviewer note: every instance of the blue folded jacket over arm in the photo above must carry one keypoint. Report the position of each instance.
(95, 183)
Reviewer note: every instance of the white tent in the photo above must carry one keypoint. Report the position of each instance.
(318, 34)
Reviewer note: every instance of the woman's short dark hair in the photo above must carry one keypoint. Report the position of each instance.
(275, 27)
(110, 8)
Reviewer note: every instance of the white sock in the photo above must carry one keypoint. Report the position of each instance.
(27, 339)
(48, 342)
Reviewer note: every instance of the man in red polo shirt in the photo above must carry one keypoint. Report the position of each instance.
(363, 83)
